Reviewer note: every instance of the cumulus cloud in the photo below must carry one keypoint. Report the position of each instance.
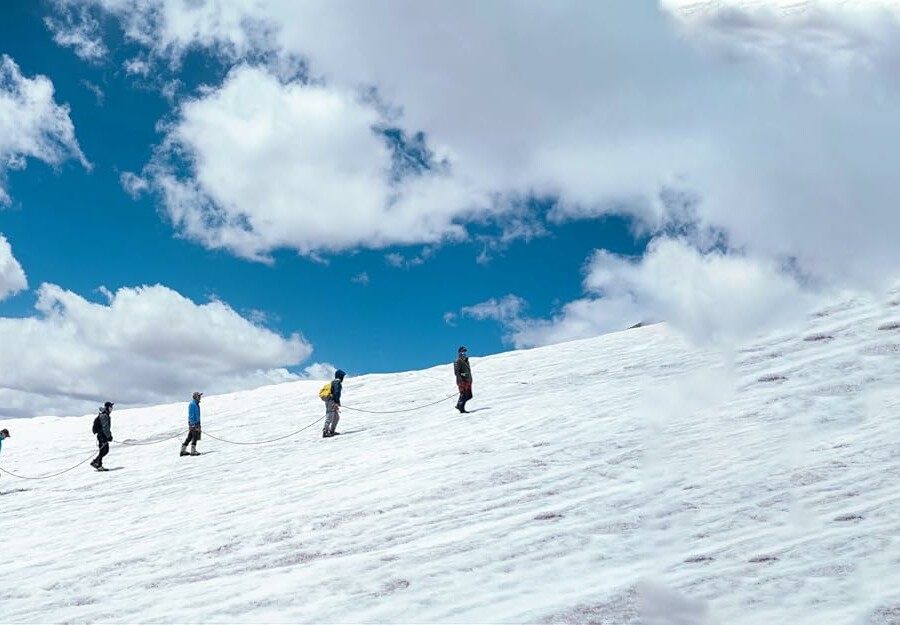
(320, 371)
(143, 345)
(293, 165)
(12, 276)
(714, 297)
(32, 125)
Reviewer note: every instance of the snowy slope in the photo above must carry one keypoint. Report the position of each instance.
(625, 479)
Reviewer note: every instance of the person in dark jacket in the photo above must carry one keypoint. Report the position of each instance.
(4, 434)
(333, 405)
(463, 378)
(103, 427)
(193, 426)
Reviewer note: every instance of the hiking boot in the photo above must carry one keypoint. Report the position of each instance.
(95, 464)
(184, 451)
(102, 468)
(194, 452)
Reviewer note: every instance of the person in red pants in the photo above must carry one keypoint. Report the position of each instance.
(463, 378)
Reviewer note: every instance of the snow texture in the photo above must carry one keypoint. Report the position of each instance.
(619, 480)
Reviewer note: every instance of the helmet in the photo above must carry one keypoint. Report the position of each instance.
(339, 374)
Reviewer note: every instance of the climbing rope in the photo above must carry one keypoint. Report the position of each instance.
(306, 427)
(44, 477)
(404, 410)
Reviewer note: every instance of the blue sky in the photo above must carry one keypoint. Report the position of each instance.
(219, 195)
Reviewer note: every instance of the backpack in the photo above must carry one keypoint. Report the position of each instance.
(325, 393)
(97, 427)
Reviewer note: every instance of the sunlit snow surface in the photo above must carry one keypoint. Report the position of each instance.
(625, 479)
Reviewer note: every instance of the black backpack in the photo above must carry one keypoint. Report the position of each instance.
(97, 428)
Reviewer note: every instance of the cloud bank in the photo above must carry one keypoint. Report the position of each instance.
(779, 118)
(143, 345)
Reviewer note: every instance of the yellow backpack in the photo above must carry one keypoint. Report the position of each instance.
(325, 393)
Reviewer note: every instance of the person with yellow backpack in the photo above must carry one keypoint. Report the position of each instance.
(331, 395)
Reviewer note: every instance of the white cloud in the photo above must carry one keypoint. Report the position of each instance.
(137, 67)
(402, 262)
(507, 308)
(96, 90)
(714, 297)
(12, 276)
(790, 156)
(450, 318)
(145, 345)
(133, 184)
(76, 28)
(799, 36)
(578, 319)
(32, 125)
(320, 371)
(288, 165)
(361, 278)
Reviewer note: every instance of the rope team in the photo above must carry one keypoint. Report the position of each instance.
(330, 394)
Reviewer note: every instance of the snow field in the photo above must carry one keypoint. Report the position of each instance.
(630, 478)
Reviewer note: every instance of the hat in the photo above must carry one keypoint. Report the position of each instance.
(108, 404)
(339, 374)
(462, 348)
(197, 395)
(4, 432)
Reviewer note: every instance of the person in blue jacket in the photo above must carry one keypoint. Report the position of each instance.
(193, 427)
(333, 405)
